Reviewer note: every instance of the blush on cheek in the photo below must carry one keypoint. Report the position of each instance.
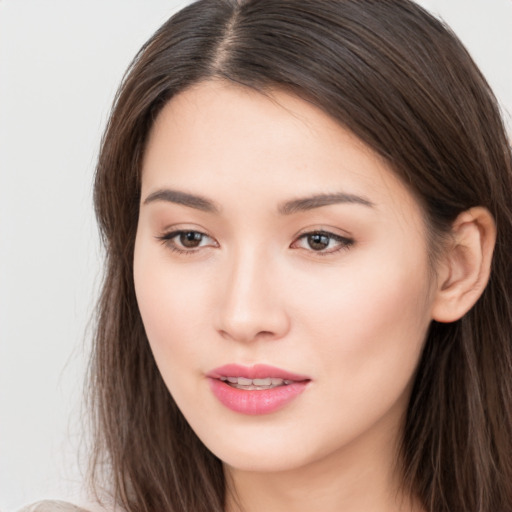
(369, 326)
(170, 312)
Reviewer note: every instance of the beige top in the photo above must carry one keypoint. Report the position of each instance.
(53, 506)
(64, 506)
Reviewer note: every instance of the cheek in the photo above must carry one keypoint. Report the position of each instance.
(370, 327)
(172, 305)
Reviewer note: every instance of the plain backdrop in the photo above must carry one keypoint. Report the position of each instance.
(60, 64)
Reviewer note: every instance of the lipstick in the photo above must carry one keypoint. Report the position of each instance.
(255, 390)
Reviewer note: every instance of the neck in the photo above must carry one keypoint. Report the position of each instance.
(311, 488)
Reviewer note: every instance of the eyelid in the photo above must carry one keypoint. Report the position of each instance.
(324, 228)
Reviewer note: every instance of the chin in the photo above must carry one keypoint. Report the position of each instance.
(261, 462)
(264, 453)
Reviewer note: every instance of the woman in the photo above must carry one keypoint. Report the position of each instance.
(307, 300)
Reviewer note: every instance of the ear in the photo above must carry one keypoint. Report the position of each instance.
(465, 268)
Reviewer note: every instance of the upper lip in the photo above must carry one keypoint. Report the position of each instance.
(258, 371)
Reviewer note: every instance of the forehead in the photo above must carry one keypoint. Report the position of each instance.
(219, 138)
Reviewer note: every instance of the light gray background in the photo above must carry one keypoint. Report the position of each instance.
(60, 64)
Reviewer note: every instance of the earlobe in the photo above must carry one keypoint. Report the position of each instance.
(466, 265)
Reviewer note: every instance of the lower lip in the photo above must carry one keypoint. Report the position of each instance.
(256, 401)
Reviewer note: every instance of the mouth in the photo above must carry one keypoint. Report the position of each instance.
(259, 376)
(259, 389)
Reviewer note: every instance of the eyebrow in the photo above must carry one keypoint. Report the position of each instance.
(287, 208)
(183, 198)
(319, 200)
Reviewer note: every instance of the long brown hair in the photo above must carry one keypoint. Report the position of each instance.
(403, 83)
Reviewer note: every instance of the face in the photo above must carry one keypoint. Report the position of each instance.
(281, 271)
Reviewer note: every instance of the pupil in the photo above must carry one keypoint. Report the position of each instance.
(190, 239)
(318, 241)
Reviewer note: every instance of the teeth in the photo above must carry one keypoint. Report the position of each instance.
(267, 383)
(262, 382)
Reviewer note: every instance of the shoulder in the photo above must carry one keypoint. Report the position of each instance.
(52, 506)
(63, 506)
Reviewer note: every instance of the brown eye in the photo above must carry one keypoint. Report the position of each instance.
(190, 239)
(187, 241)
(318, 241)
(322, 242)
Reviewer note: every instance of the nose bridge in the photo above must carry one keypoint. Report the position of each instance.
(251, 305)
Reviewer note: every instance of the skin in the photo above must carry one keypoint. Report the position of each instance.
(351, 316)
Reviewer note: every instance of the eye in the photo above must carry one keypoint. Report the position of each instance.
(186, 241)
(322, 242)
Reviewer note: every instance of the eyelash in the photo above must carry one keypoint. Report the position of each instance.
(344, 243)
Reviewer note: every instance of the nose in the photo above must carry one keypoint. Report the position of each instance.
(251, 304)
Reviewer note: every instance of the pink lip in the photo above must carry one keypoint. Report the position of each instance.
(255, 402)
(258, 371)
